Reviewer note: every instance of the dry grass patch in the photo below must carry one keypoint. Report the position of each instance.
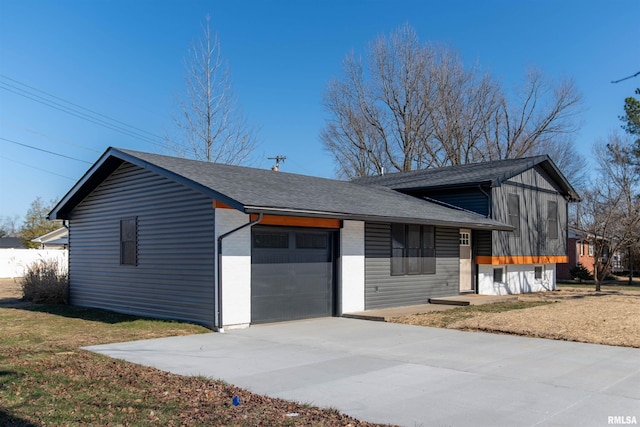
(610, 317)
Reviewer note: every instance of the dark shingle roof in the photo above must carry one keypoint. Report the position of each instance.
(258, 190)
(11, 243)
(492, 173)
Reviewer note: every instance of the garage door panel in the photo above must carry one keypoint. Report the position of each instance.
(292, 277)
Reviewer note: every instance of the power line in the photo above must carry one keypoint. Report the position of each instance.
(35, 132)
(626, 78)
(77, 110)
(79, 114)
(43, 150)
(81, 107)
(36, 167)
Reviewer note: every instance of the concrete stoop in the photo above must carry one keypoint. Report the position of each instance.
(435, 304)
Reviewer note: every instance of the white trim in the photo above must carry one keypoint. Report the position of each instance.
(236, 268)
(517, 279)
(351, 276)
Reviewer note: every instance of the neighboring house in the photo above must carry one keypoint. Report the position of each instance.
(56, 239)
(11, 243)
(530, 194)
(580, 250)
(145, 232)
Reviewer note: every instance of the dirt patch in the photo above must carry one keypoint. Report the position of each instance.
(573, 314)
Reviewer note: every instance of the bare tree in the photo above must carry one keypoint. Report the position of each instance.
(463, 105)
(416, 105)
(540, 113)
(212, 126)
(380, 117)
(611, 207)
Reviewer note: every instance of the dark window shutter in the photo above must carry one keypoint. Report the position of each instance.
(129, 241)
(552, 219)
(397, 249)
(514, 213)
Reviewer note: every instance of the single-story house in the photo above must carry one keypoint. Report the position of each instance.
(56, 239)
(230, 246)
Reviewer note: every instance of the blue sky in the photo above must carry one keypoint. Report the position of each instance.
(125, 59)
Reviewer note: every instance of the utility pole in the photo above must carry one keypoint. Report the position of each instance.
(278, 159)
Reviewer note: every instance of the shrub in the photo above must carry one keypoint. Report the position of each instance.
(581, 273)
(46, 282)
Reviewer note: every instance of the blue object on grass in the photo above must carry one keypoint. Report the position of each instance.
(236, 401)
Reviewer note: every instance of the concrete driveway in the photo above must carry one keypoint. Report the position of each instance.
(410, 375)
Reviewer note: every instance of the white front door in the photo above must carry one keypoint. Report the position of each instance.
(466, 276)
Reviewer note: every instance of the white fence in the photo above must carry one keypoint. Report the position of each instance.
(14, 261)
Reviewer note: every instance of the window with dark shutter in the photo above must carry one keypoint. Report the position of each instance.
(514, 213)
(552, 219)
(397, 249)
(428, 249)
(129, 241)
(413, 249)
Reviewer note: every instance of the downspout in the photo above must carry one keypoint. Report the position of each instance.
(477, 278)
(488, 200)
(219, 326)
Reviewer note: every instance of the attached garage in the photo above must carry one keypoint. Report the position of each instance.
(292, 273)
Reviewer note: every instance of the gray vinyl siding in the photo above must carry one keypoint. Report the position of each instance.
(534, 191)
(174, 277)
(383, 290)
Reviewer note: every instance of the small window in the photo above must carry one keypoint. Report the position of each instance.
(129, 241)
(464, 238)
(538, 272)
(581, 247)
(590, 249)
(498, 275)
(552, 219)
(271, 239)
(514, 213)
(311, 241)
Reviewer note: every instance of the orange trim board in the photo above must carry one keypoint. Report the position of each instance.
(291, 221)
(539, 259)
(220, 205)
(296, 221)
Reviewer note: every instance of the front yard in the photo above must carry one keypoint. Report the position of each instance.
(572, 313)
(45, 379)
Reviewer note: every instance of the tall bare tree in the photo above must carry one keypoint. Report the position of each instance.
(416, 105)
(210, 122)
(611, 207)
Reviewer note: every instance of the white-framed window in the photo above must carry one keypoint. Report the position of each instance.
(590, 249)
(538, 272)
(465, 238)
(581, 247)
(498, 275)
